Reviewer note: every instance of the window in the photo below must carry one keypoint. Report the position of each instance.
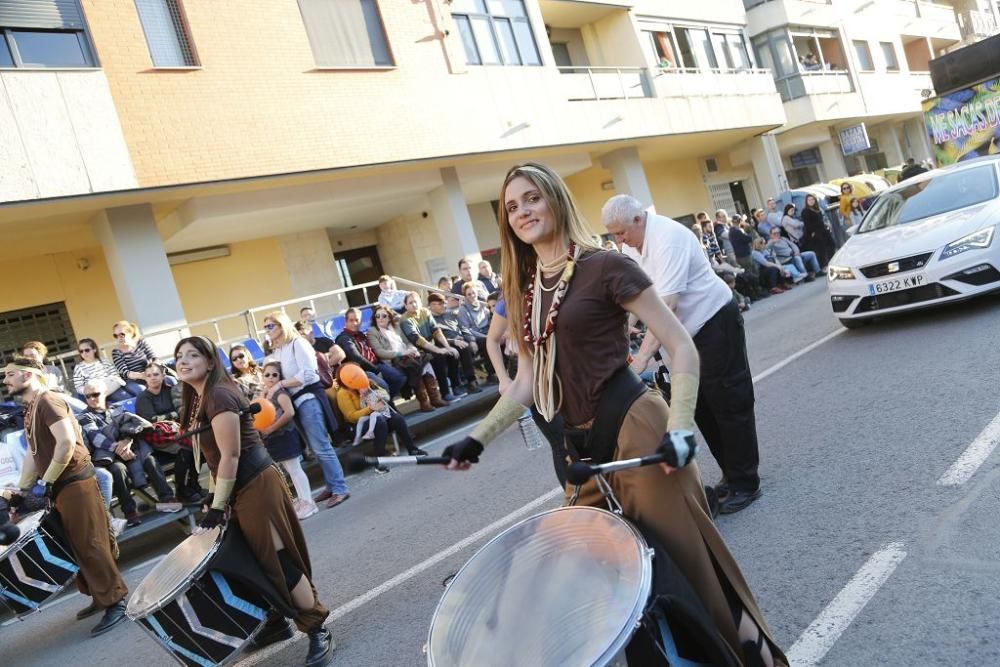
(702, 44)
(889, 53)
(495, 32)
(660, 49)
(738, 51)
(166, 33)
(864, 56)
(44, 33)
(346, 33)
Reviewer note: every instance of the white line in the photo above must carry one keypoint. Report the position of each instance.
(151, 561)
(824, 632)
(403, 577)
(806, 350)
(974, 456)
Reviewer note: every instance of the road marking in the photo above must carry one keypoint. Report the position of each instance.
(824, 632)
(403, 577)
(962, 470)
(806, 350)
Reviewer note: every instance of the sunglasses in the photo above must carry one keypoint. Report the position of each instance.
(239, 357)
(270, 325)
(84, 350)
(272, 375)
(121, 335)
(382, 316)
(94, 395)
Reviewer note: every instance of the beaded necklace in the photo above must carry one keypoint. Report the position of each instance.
(195, 439)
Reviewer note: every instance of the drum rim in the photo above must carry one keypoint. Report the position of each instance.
(177, 589)
(21, 541)
(645, 579)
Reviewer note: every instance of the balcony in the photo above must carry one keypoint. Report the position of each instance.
(814, 83)
(603, 83)
(690, 82)
(893, 92)
(923, 18)
(975, 25)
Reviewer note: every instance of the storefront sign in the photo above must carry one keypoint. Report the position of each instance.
(966, 123)
(854, 139)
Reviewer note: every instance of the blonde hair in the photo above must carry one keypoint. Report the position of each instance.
(131, 328)
(518, 259)
(288, 331)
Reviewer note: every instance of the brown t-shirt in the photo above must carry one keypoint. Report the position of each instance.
(591, 329)
(219, 399)
(50, 408)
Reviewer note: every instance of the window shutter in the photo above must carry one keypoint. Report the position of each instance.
(44, 14)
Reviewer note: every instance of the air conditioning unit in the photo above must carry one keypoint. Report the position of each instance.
(197, 255)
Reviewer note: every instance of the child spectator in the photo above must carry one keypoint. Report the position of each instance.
(741, 301)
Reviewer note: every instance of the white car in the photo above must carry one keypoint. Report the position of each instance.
(926, 241)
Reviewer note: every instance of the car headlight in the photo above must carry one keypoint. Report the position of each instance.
(974, 241)
(840, 273)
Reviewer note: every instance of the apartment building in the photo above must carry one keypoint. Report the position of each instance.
(171, 161)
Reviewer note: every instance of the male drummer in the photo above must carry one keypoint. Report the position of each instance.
(57, 469)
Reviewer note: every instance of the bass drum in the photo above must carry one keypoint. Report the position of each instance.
(38, 566)
(565, 587)
(200, 615)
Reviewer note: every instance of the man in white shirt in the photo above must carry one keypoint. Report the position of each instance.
(681, 274)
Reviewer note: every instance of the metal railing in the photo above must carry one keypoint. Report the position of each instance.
(604, 83)
(816, 82)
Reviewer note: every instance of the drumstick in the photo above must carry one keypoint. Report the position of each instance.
(357, 462)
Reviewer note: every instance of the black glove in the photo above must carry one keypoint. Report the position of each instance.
(678, 448)
(465, 451)
(16, 500)
(207, 502)
(213, 519)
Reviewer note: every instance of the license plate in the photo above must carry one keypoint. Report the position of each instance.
(896, 284)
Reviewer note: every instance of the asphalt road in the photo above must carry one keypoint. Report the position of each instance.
(854, 435)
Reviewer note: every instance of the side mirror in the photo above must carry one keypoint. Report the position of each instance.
(852, 229)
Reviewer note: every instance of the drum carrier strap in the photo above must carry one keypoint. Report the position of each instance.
(598, 443)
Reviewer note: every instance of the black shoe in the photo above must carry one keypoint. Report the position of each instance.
(87, 612)
(713, 501)
(416, 451)
(113, 616)
(321, 645)
(276, 629)
(722, 490)
(738, 500)
(473, 387)
(808, 279)
(381, 470)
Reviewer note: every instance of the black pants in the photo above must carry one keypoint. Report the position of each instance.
(446, 371)
(393, 424)
(555, 435)
(119, 483)
(144, 469)
(725, 409)
(185, 476)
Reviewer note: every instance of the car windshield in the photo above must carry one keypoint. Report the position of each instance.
(930, 197)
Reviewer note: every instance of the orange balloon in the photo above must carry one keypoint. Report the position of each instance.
(266, 416)
(353, 376)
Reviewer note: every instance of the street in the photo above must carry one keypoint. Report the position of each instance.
(870, 545)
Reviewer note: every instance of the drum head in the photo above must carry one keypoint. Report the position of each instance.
(173, 574)
(29, 526)
(565, 587)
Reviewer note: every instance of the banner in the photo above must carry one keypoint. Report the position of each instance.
(12, 449)
(854, 139)
(964, 124)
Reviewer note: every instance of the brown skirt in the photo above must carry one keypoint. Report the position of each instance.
(675, 509)
(263, 503)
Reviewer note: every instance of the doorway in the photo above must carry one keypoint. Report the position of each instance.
(356, 267)
(739, 195)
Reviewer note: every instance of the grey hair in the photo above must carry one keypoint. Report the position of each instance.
(97, 384)
(621, 208)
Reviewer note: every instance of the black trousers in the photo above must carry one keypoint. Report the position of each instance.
(725, 408)
(392, 424)
(119, 483)
(447, 369)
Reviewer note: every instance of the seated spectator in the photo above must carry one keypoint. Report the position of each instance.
(246, 372)
(741, 301)
(787, 252)
(113, 438)
(160, 405)
(474, 317)
(284, 444)
(420, 328)
(763, 226)
(390, 346)
(352, 381)
(390, 296)
(792, 226)
(444, 284)
(322, 364)
(130, 355)
(446, 316)
(489, 279)
(319, 343)
(359, 351)
(771, 274)
(307, 314)
(742, 242)
(465, 276)
(92, 367)
(54, 378)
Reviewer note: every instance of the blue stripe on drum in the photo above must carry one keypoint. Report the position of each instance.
(179, 650)
(235, 601)
(17, 598)
(51, 558)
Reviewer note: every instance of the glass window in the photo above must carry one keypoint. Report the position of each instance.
(721, 52)
(50, 49)
(864, 56)
(6, 60)
(345, 33)
(495, 32)
(889, 53)
(764, 59)
(685, 49)
(927, 198)
(702, 44)
(738, 51)
(166, 33)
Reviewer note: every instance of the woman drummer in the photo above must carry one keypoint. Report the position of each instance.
(569, 302)
(250, 490)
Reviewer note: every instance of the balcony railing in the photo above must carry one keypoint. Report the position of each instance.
(692, 82)
(976, 25)
(813, 83)
(750, 4)
(603, 83)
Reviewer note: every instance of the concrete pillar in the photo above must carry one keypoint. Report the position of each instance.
(311, 269)
(767, 167)
(628, 174)
(833, 160)
(892, 148)
(454, 224)
(141, 274)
